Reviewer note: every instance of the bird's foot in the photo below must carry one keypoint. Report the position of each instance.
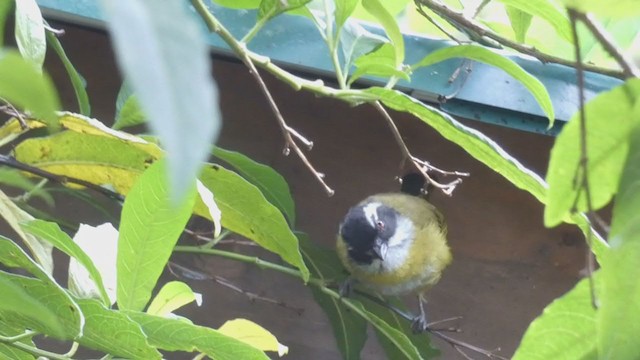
(419, 324)
(346, 288)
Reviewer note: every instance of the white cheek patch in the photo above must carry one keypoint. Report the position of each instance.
(371, 213)
(404, 231)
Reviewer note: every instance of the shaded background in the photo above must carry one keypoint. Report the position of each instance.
(507, 267)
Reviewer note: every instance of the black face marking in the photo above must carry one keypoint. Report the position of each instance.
(359, 234)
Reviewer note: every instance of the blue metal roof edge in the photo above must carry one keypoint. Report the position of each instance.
(485, 94)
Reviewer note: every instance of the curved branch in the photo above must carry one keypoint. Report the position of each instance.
(458, 19)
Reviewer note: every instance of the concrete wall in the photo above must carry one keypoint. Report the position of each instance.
(506, 267)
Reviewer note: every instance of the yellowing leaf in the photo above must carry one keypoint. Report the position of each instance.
(172, 296)
(253, 334)
(98, 159)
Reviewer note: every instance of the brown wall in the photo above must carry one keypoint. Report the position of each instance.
(506, 267)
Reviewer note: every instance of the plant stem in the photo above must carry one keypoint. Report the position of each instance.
(254, 30)
(13, 341)
(263, 264)
(456, 18)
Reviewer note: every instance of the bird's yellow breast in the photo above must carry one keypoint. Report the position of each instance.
(417, 265)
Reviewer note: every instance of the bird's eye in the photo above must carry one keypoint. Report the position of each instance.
(379, 225)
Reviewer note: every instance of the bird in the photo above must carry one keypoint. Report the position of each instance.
(395, 244)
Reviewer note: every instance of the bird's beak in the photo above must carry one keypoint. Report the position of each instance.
(380, 248)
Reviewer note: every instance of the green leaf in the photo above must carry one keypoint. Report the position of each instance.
(520, 22)
(344, 9)
(5, 9)
(172, 80)
(472, 141)
(172, 296)
(607, 148)
(20, 307)
(566, 330)
(77, 81)
(239, 4)
(23, 85)
(421, 341)
(272, 185)
(355, 41)
(67, 320)
(150, 227)
(17, 179)
(12, 256)
(271, 8)
(546, 10)
(179, 335)
(349, 329)
(130, 114)
(51, 232)
(481, 54)
(14, 216)
(613, 8)
(246, 211)
(101, 160)
(29, 33)
(378, 63)
(393, 335)
(113, 332)
(11, 352)
(390, 25)
(618, 317)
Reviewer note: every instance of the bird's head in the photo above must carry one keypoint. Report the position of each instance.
(367, 230)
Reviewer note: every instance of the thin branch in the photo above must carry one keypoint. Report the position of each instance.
(56, 32)
(241, 51)
(10, 110)
(583, 167)
(437, 25)
(601, 34)
(253, 296)
(457, 18)
(322, 286)
(12, 341)
(61, 179)
(422, 166)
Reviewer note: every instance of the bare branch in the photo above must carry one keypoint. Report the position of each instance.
(583, 167)
(287, 132)
(458, 19)
(629, 69)
(61, 179)
(422, 166)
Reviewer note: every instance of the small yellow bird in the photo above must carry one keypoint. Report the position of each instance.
(395, 243)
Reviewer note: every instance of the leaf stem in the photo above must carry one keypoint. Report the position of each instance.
(14, 341)
(456, 18)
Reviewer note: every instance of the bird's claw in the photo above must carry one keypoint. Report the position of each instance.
(419, 324)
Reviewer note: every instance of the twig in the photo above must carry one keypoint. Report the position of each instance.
(480, 7)
(253, 296)
(422, 166)
(10, 110)
(472, 26)
(627, 65)
(56, 32)
(184, 272)
(11, 341)
(583, 167)
(327, 290)
(241, 51)
(437, 25)
(61, 179)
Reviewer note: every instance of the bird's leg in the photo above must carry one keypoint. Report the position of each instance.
(346, 288)
(420, 323)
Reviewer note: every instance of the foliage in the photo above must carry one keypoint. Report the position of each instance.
(164, 179)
